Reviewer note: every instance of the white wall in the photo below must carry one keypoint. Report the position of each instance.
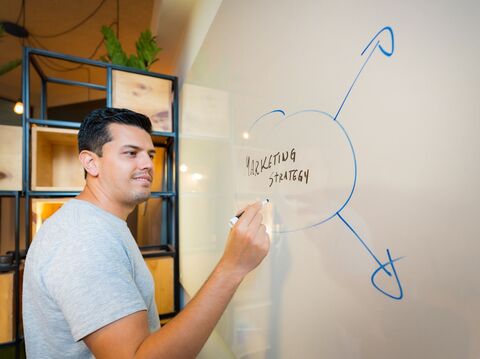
(201, 18)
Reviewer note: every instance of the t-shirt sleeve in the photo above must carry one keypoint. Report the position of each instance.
(91, 280)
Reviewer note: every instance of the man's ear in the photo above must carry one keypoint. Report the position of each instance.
(89, 162)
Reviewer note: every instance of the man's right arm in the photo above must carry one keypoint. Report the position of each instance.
(184, 335)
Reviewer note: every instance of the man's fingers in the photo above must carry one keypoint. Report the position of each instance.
(254, 225)
(240, 211)
(249, 214)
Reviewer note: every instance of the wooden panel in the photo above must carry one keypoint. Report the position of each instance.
(10, 158)
(55, 164)
(6, 307)
(162, 273)
(151, 96)
(7, 224)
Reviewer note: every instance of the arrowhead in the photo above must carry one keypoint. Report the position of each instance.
(391, 264)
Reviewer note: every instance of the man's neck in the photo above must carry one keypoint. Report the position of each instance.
(99, 199)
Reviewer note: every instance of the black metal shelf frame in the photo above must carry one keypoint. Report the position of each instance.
(171, 143)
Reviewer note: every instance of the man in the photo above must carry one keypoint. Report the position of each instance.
(87, 290)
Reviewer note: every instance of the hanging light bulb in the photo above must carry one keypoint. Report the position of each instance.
(18, 108)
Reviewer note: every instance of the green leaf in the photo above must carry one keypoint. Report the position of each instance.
(147, 48)
(9, 66)
(115, 53)
(134, 62)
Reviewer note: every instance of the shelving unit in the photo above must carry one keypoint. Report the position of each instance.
(45, 172)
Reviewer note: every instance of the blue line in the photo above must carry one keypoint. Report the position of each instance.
(374, 274)
(301, 111)
(364, 244)
(351, 87)
(377, 44)
(354, 176)
(355, 168)
(265, 114)
(310, 110)
(386, 53)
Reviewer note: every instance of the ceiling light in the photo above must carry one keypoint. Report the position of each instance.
(18, 108)
(197, 176)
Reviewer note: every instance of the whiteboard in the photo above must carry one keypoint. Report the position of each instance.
(359, 121)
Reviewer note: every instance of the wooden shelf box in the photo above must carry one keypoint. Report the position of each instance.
(159, 178)
(151, 96)
(162, 273)
(7, 224)
(55, 164)
(6, 307)
(148, 223)
(10, 158)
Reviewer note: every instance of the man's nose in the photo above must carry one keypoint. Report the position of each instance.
(146, 162)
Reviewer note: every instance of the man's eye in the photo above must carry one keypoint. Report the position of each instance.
(131, 153)
(151, 157)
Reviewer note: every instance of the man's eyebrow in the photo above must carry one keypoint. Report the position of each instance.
(124, 147)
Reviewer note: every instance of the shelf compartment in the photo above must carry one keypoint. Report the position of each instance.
(10, 158)
(6, 307)
(151, 96)
(159, 165)
(7, 224)
(162, 271)
(55, 164)
(148, 222)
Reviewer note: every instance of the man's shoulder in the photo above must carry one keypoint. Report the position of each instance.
(75, 218)
(73, 229)
(65, 222)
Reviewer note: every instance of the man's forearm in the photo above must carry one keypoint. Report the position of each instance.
(184, 335)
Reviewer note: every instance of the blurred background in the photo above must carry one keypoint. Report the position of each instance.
(73, 28)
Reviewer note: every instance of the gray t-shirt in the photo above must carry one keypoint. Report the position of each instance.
(83, 271)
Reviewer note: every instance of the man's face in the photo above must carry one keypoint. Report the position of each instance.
(126, 167)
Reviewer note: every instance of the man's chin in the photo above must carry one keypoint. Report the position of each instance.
(140, 197)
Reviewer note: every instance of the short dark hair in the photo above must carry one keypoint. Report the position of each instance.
(94, 132)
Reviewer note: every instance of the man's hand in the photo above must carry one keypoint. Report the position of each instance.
(247, 244)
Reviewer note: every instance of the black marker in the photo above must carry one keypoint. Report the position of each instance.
(237, 217)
